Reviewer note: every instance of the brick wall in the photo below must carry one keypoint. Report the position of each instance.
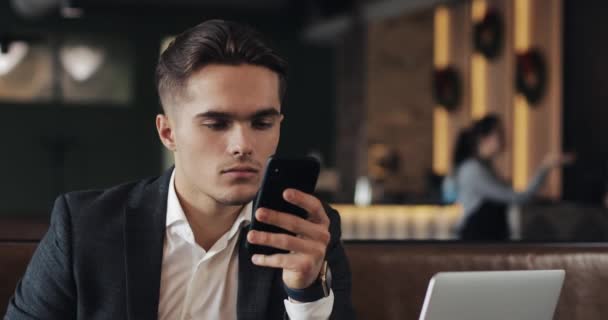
(384, 96)
(350, 110)
(399, 103)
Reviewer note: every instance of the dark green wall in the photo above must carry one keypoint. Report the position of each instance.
(113, 144)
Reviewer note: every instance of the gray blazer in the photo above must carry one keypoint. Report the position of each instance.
(101, 259)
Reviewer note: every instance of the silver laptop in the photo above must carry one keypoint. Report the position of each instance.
(493, 295)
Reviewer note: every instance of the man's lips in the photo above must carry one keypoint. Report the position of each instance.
(241, 172)
(241, 169)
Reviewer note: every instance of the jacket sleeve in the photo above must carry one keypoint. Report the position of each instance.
(47, 289)
(341, 284)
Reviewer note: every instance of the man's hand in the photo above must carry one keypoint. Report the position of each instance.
(302, 265)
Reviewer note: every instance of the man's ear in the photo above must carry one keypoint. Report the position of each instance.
(164, 126)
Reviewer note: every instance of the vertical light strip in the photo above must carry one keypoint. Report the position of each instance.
(478, 86)
(478, 68)
(478, 9)
(441, 156)
(521, 116)
(441, 34)
(522, 25)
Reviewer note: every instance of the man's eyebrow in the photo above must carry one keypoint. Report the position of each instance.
(268, 112)
(214, 114)
(228, 115)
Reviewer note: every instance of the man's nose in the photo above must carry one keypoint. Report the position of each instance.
(241, 141)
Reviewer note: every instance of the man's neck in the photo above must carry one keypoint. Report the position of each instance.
(208, 219)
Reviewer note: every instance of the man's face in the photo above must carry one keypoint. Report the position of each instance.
(222, 129)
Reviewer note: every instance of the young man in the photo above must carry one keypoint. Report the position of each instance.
(174, 247)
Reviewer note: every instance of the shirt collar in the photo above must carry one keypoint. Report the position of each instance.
(175, 212)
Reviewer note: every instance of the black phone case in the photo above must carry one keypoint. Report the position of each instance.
(281, 174)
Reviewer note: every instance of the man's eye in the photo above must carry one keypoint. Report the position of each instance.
(216, 125)
(262, 124)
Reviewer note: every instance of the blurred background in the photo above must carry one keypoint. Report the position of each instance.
(378, 90)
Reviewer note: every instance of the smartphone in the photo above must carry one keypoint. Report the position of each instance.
(281, 174)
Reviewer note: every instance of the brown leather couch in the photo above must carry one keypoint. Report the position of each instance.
(390, 278)
(19, 236)
(14, 257)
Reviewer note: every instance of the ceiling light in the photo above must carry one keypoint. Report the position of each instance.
(81, 61)
(9, 59)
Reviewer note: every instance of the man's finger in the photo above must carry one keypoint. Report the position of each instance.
(286, 261)
(309, 203)
(295, 224)
(287, 242)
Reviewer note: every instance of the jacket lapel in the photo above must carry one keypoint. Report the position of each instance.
(255, 285)
(145, 216)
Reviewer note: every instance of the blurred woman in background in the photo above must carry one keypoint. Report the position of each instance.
(484, 195)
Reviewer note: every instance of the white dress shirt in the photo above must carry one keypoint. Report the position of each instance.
(199, 284)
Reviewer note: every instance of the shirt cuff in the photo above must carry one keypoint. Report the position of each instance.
(320, 309)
